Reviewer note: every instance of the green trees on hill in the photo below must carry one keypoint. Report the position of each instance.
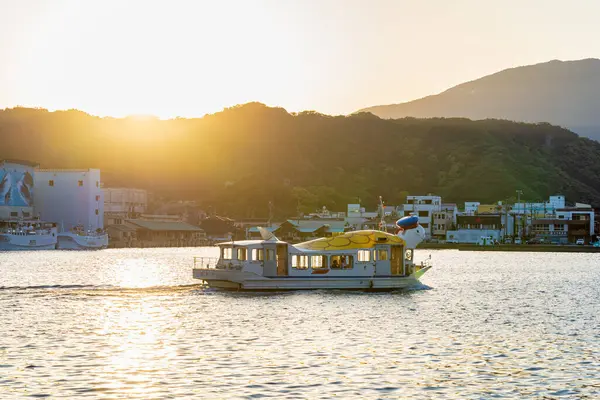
(241, 158)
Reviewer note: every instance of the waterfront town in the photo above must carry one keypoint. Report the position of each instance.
(76, 201)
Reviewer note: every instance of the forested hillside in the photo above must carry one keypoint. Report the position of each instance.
(243, 157)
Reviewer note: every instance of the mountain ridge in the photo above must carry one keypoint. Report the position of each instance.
(564, 93)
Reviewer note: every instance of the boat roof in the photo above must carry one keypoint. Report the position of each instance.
(249, 242)
(364, 239)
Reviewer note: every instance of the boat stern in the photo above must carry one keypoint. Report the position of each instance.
(220, 278)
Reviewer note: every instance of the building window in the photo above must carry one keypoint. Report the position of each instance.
(423, 213)
(25, 214)
(79, 183)
(97, 212)
(382, 254)
(241, 254)
(227, 253)
(258, 254)
(317, 262)
(300, 262)
(364, 255)
(50, 182)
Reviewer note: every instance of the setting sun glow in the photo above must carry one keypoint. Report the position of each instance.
(188, 58)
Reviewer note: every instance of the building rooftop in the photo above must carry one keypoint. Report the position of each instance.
(66, 169)
(20, 162)
(164, 225)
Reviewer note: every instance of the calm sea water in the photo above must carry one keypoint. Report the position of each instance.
(133, 324)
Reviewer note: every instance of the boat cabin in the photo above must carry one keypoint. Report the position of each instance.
(356, 254)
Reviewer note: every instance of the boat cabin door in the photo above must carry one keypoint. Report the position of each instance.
(270, 259)
(282, 260)
(382, 260)
(397, 259)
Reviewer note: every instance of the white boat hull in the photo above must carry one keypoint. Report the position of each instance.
(71, 241)
(10, 242)
(239, 280)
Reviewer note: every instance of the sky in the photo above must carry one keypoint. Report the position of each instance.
(187, 58)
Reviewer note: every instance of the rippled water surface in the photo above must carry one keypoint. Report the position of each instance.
(133, 324)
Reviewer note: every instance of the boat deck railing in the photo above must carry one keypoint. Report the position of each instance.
(425, 263)
(39, 232)
(205, 262)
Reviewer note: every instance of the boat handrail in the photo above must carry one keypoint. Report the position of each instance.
(426, 263)
(205, 262)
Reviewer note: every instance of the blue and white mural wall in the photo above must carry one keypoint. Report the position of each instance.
(16, 187)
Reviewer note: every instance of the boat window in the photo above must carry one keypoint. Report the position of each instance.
(335, 262)
(364, 255)
(270, 254)
(300, 262)
(317, 262)
(258, 254)
(346, 262)
(382, 254)
(342, 262)
(242, 253)
(226, 253)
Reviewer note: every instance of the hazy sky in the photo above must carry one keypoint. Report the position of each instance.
(187, 58)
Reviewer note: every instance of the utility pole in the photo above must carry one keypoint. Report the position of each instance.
(519, 193)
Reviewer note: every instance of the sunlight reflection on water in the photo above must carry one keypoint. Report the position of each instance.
(132, 323)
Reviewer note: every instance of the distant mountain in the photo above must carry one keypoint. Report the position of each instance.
(238, 160)
(565, 93)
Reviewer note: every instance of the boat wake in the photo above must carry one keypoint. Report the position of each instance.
(100, 289)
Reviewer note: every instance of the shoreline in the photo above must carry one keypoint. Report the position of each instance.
(512, 247)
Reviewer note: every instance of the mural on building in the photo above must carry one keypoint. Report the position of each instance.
(16, 188)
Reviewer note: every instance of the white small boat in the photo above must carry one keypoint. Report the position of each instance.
(78, 239)
(368, 259)
(27, 235)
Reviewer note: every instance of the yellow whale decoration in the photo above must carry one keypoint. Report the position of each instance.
(352, 240)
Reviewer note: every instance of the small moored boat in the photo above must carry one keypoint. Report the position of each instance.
(80, 239)
(27, 235)
(367, 259)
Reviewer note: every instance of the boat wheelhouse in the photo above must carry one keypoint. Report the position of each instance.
(367, 259)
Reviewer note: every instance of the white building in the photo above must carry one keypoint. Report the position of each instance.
(422, 207)
(125, 201)
(70, 197)
(540, 208)
(471, 207)
(16, 189)
(358, 218)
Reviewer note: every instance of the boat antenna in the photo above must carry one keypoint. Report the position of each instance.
(270, 214)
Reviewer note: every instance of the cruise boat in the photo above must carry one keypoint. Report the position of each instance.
(79, 239)
(366, 259)
(27, 235)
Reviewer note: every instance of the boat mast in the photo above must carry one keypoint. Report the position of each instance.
(382, 224)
